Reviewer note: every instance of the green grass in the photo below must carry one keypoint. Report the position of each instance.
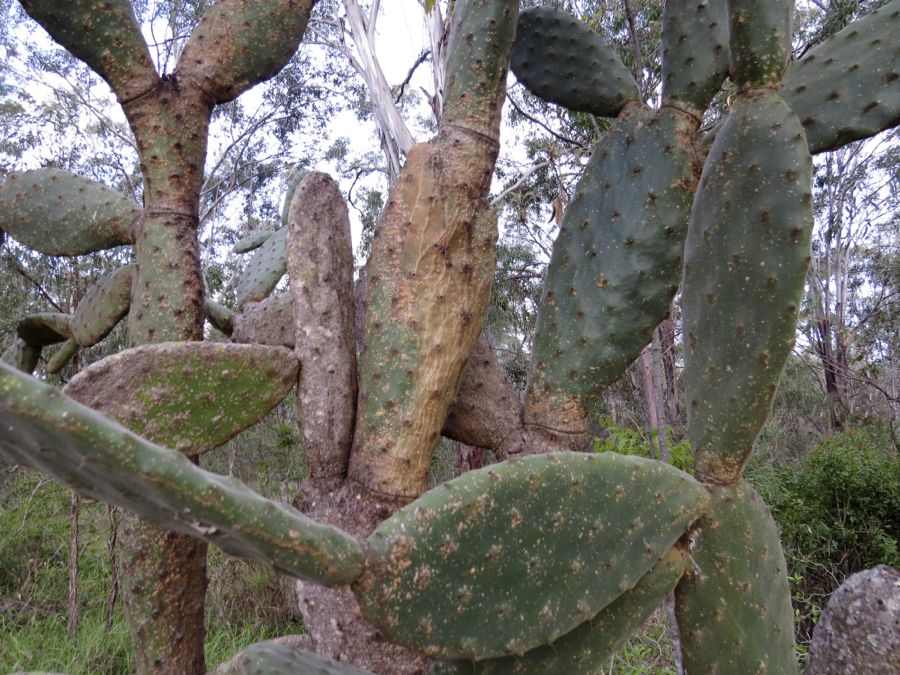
(648, 652)
(246, 603)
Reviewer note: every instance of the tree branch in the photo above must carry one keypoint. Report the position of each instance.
(550, 131)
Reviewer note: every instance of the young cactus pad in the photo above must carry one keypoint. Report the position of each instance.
(251, 241)
(264, 270)
(44, 429)
(511, 557)
(584, 650)
(195, 395)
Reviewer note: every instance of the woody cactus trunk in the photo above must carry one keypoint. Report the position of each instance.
(545, 562)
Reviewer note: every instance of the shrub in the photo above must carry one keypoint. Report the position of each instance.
(838, 511)
(629, 441)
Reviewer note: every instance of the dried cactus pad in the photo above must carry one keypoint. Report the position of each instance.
(514, 556)
(561, 60)
(44, 429)
(584, 650)
(58, 213)
(193, 396)
(271, 658)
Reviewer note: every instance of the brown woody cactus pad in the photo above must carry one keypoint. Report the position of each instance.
(320, 264)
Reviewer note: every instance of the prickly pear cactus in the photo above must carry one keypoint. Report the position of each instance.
(735, 594)
(103, 306)
(585, 649)
(196, 395)
(563, 61)
(748, 230)
(45, 429)
(536, 565)
(448, 574)
(58, 213)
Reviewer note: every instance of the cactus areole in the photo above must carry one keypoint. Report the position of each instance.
(537, 564)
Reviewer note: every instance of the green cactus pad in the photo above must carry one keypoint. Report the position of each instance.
(760, 39)
(734, 605)
(561, 60)
(251, 242)
(848, 87)
(103, 306)
(296, 176)
(584, 650)
(46, 328)
(22, 356)
(105, 35)
(514, 556)
(746, 257)
(271, 658)
(695, 52)
(195, 395)
(48, 431)
(238, 44)
(219, 316)
(616, 263)
(264, 269)
(62, 356)
(58, 213)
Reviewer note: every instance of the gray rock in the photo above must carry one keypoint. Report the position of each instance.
(859, 631)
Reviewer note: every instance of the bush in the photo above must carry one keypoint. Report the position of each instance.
(838, 511)
(625, 441)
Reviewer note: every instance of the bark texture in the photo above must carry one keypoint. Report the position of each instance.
(320, 266)
(487, 412)
(331, 615)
